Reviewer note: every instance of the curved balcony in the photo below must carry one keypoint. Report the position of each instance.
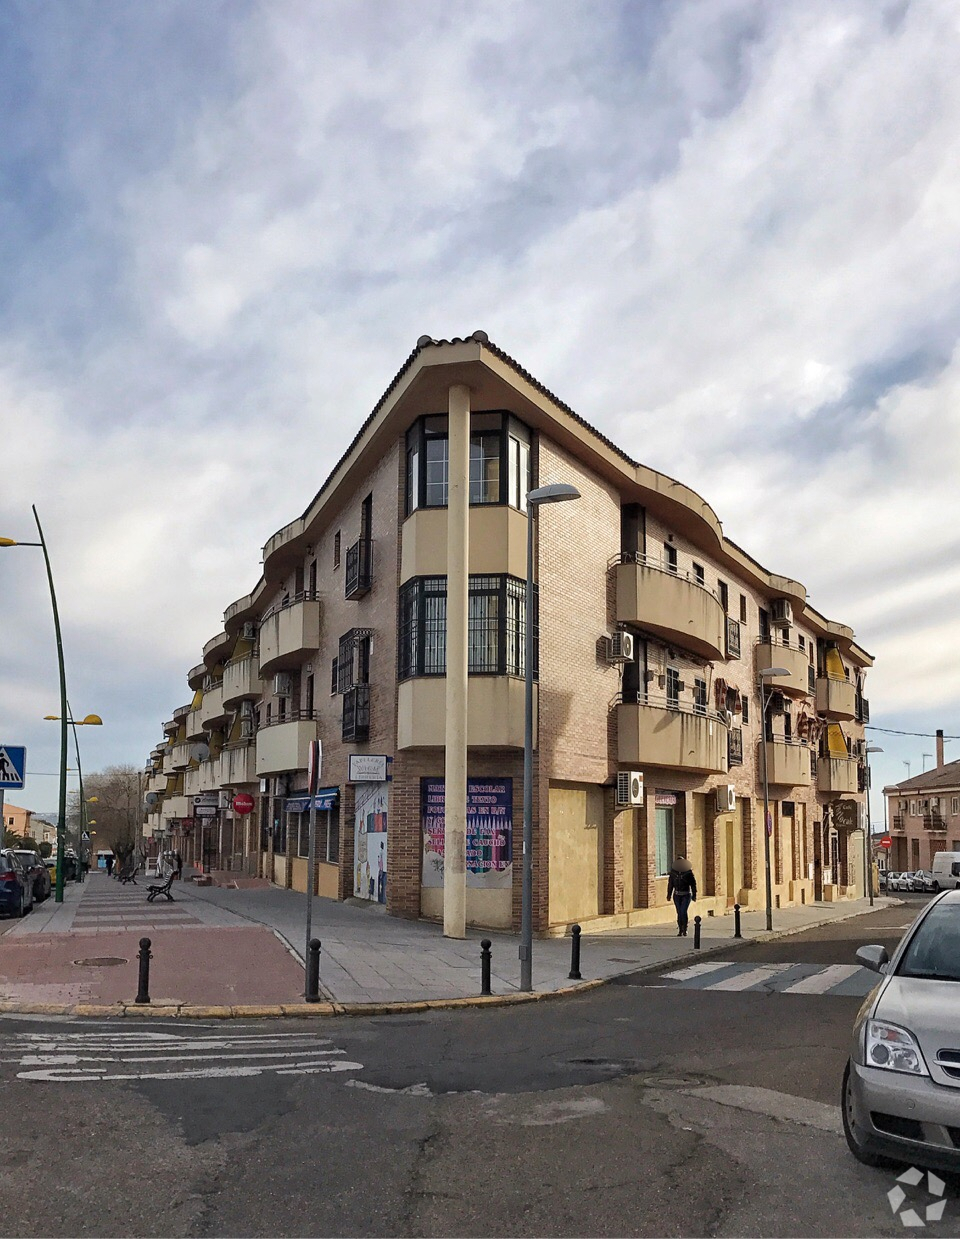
(212, 712)
(193, 725)
(836, 697)
(217, 649)
(290, 634)
(196, 675)
(284, 746)
(241, 680)
(494, 712)
(788, 763)
(837, 774)
(238, 764)
(795, 660)
(653, 733)
(672, 605)
(180, 757)
(180, 713)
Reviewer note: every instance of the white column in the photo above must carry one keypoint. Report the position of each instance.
(455, 740)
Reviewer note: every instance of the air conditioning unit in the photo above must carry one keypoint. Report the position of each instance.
(629, 789)
(282, 685)
(781, 612)
(620, 647)
(726, 799)
(249, 632)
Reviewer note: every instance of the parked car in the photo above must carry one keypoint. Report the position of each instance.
(36, 871)
(885, 876)
(893, 880)
(904, 881)
(923, 880)
(16, 888)
(901, 1085)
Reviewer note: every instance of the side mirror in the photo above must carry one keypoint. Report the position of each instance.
(873, 957)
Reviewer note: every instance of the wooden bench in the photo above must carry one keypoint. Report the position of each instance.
(154, 891)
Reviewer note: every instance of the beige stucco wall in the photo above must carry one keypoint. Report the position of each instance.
(495, 711)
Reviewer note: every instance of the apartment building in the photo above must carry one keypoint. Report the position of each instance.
(652, 631)
(923, 815)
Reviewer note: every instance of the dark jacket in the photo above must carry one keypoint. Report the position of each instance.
(681, 882)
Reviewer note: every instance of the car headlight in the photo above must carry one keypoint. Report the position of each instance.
(892, 1048)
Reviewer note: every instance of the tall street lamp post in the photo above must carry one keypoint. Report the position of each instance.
(767, 673)
(557, 492)
(92, 720)
(868, 845)
(64, 710)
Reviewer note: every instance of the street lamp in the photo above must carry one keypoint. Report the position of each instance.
(868, 848)
(556, 492)
(767, 673)
(92, 720)
(64, 708)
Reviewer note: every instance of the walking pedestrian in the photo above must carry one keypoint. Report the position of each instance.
(178, 865)
(109, 864)
(682, 888)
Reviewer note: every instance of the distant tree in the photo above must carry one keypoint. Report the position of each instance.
(45, 849)
(12, 840)
(118, 811)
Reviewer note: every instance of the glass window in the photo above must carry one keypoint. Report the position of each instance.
(438, 472)
(700, 696)
(518, 468)
(698, 573)
(663, 825)
(413, 475)
(934, 950)
(485, 467)
(673, 687)
(495, 626)
(670, 558)
(483, 631)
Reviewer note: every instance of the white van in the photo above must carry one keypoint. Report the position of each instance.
(946, 871)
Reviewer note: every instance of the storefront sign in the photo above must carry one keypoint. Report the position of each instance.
(665, 799)
(242, 803)
(368, 768)
(845, 814)
(207, 798)
(489, 832)
(325, 798)
(205, 810)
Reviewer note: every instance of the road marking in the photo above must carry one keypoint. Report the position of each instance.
(85, 1057)
(695, 970)
(821, 981)
(765, 1101)
(753, 976)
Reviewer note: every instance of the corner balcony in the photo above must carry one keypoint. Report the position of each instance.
(494, 712)
(196, 675)
(673, 605)
(791, 657)
(238, 764)
(241, 680)
(653, 733)
(180, 757)
(217, 649)
(837, 774)
(282, 747)
(290, 634)
(212, 712)
(836, 697)
(788, 763)
(193, 726)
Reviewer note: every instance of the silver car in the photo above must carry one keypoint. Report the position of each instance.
(901, 1087)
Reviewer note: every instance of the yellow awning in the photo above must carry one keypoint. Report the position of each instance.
(836, 744)
(834, 664)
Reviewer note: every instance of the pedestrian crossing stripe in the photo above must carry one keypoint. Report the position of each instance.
(721, 976)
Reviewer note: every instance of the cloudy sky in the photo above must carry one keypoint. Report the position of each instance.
(724, 231)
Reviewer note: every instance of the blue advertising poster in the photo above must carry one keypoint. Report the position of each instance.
(489, 832)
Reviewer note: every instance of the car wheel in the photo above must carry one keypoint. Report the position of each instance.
(855, 1140)
(23, 904)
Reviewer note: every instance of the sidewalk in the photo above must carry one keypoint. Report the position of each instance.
(204, 943)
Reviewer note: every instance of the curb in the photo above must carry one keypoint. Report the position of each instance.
(321, 1010)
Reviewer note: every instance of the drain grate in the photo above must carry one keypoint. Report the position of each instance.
(101, 961)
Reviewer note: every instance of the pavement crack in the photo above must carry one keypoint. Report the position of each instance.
(416, 1192)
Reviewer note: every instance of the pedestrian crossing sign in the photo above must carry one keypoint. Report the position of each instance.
(13, 765)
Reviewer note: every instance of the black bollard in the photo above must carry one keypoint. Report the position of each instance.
(575, 953)
(313, 971)
(144, 956)
(485, 945)
(736, 921)
(696, 933)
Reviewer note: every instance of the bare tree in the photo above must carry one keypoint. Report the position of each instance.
(118, 811)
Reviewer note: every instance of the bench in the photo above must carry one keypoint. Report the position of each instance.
(154, 891)
(129, 874)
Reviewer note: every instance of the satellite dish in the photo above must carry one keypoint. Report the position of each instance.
(200, 752)
(150, 799)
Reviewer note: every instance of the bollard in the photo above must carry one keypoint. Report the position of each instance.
(144, 956)
(696, 933)
(313, 971)
(736, 921)
(485, 945)
(575, 953)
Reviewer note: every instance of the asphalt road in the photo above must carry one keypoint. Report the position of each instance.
(645, 1107)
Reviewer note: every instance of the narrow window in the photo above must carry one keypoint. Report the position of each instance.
(308, 700)
(700, 696)
(698, 573)
(745, 708)
(670, 557)
(312, 577)
(334, 677)
(518, 466)
(366, 519)
(743, 608)
(486, 436)
(724, 590)
(673, 687)
(764, 625)
(336, 549)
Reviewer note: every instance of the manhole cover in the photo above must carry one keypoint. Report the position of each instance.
(678, 1081)
(101, 961)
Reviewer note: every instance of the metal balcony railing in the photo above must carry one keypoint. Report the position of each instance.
(359, 572)
(355, 722)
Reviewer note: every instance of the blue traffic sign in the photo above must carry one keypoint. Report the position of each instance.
(13, 765)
